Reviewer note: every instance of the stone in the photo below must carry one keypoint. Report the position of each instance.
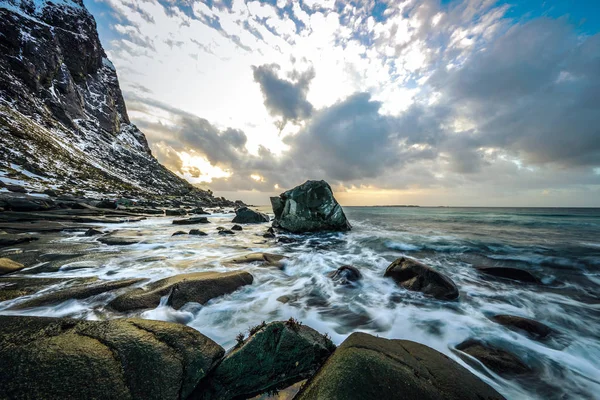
(272, 260)
(16, 286)
(16, 189)
(199, 210)
(93, 232)
(175, 212)
(515, 274)
(198, 232)
(179, 233)
(191, 221)
(117, 241)
(346, 275)
(416, 276)
(29, 204)
(198, 287)
(107, 204)
(237, 228)
(244, 215)
(309, 207)
(368, 367)
(226, 232)
(498, 360)
(7, 266)
(534, 329)
(60, 358)
(77, 292)
(286, 240)
(50, 192)
(273, 357)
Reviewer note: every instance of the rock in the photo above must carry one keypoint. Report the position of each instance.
(191, 221)
(198, 232)
(16, 286)
(416, 276)
(237, 228)
(93, 232)
(284, 299)
(30, 204)
(309, 207)
(107, 204)
(117, 241)
(50, 192)
(367, 367)
(509, 273)
(199, 210)
(269, 234)
(286, 239)
(244, 215)
(198, 287)
(273, 260)
(16, 189)
(179, 233)
(12, 240)
(273, 357)
(60, 358)
(533, 329)
(346, 274)
(498, 360)
(77, 292)
(7, 266)
(175, 212)
(226, 232)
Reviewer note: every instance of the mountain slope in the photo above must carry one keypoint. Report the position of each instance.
(63, 121)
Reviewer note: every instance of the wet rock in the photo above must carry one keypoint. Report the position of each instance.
(509, 273)
(284, 299)
(198, 232)
(220, 228)
(269, 234)
(50, 192)
(107, 204)
(416, 276)
(244, 215)
(93, 232)
(60, 358)
(7, 266)
(191, 221)
(226, 232)
(77, 292)
(175, 212)
(197, 287)
(117, 241)
(12, 240)
(345, 275)
(533, 329)
(273, 357)
(199, 210)
(309, 207)
(498, 360)
(367, 367)
(179, 233)
(29, 204)
(286, 240)
(237, 228)
(273, 260)
(17, 286)
(16, 189)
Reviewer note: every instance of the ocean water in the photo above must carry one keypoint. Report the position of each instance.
(560, 246)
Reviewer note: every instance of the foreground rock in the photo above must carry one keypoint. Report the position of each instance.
(509, 273)
(416, 276)
(498, 360)
(17, 286)
(309, 207)
(7, 266)
(197, 287)
(267, 259)
(117, 241)
(77, 292)
(366, 367)
(55, 358)
(534, 329)
(273, 357)
(346, 275)
(245, 215)
(12, 240)
(191, 221)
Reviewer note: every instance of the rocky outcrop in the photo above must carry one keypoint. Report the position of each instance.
(533, 329)
(53, 358)
(7, 266)
(346, 275)
(514, 274)
(416, 276)
(498, 360)
(244, 215)
(197, 287)
(273, 357)
(370, 368)
(309, 207)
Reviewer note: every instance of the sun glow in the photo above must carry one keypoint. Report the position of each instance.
(197, 169)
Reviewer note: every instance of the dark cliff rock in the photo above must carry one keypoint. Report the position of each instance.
(62, 114)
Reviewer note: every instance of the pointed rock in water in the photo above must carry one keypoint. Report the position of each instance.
(534, 329)
(62, 358)
(367, 367)
(419, 277)
(498, 360)
(191, 221)
(309, 207)
(197, 287)
(273, 357)
(7, 266)
(93, 232)
(346, 274)
(244, 215)
(237, 228)
(198, 232)
(179, 233)
(515, 274)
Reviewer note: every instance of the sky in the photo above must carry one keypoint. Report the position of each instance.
(457, 103)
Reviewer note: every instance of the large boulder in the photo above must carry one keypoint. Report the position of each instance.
(56, 358)
(244, 215)
(366, 367)
(309, 207)
(7, 266)
(273, 357)
(498, 360)
(198, 287)
(417, 276)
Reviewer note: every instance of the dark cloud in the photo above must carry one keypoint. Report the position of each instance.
(283, 98)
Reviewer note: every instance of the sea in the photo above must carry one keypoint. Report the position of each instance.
(560, 246)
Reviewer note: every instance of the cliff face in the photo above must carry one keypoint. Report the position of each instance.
(63, 121)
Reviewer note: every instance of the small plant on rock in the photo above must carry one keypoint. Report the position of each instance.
(256, 328)
(293, 324)
(239, 339)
